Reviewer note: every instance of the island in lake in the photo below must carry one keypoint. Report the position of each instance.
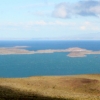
(73, 52)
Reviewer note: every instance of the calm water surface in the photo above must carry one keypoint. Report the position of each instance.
(49, 64)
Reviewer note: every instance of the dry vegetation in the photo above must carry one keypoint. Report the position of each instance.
(81, 87)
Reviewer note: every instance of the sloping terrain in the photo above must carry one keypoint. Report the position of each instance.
(79, 87)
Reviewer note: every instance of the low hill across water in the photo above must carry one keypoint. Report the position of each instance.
(79, 87)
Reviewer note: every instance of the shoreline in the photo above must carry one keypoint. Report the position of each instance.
(73, 75)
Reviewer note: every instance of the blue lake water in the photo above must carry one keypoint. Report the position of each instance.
(49, 64)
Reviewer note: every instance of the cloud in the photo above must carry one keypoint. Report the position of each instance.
(89, 25)
(82, 8)
(47, 23)
(83, 27)
(86, 25)
(87, 8)
(61, 10)
(41, 22)
(30, 25)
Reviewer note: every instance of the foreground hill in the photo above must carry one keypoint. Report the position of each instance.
(79, 87)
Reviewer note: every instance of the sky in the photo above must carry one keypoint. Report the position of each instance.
(50, 19)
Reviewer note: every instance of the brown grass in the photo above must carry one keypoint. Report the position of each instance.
(81, 87)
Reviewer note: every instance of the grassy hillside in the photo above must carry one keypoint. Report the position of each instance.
(79, 87)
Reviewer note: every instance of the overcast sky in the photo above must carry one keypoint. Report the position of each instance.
(50, 19)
